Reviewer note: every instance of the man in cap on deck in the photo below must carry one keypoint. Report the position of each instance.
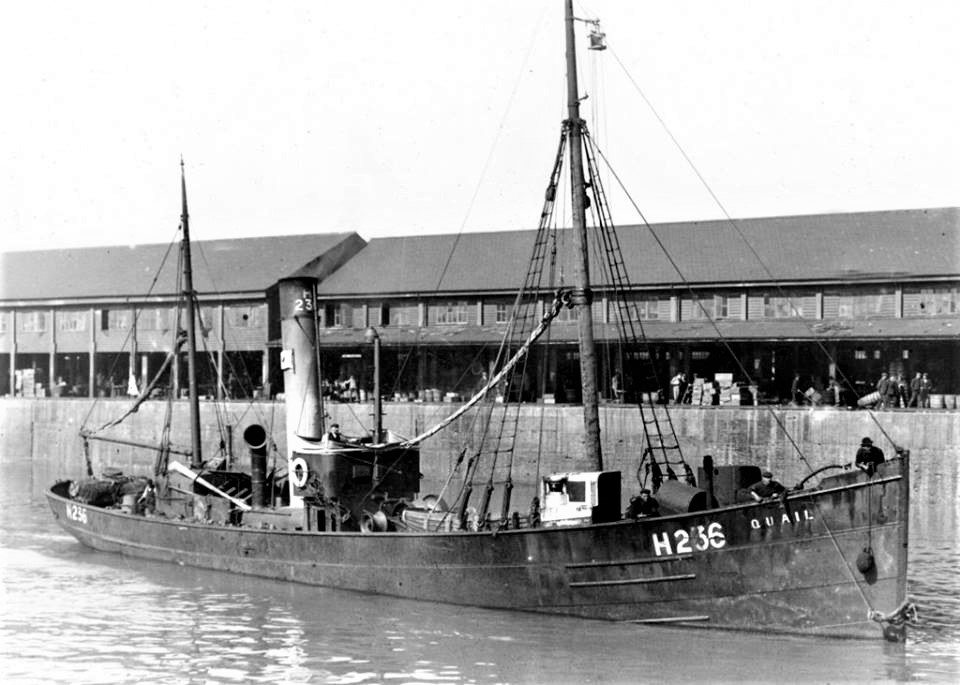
(869, 456)
(643, 506)
(766, 487)
(334, 433)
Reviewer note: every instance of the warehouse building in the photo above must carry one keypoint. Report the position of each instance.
(874, 291)
(81, 322)
(769, 298)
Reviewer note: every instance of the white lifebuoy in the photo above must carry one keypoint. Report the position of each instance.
(299, 472)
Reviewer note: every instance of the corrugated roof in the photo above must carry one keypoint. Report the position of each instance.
(823, 247)
(220, 266)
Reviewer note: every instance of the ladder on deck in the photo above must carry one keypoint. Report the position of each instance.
(660, 437)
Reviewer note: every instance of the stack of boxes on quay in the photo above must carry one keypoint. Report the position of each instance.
(723, 391)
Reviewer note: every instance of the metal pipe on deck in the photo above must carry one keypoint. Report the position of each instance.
(256, 438)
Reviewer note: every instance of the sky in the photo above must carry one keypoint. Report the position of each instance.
(407, 118)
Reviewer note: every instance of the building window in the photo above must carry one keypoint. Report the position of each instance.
(3, 322)
(859, 354)
(931, 302)
(404, 315)
(333, 316)
(33, 322)
(114, 319)
(502, 314)
(721, 307)
(568, 314)
(699, 309)
(72, 321)
(154, 319)
(447, 313)
(840, 304)
(648, 309)
(378, 314)
(244, 316)
(640, 309)
(207, 316)
(862, 306)
(779, 307)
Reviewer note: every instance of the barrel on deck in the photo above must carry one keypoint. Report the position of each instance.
(728, 481)
(676, 497)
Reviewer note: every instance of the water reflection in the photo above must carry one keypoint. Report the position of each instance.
(71, 615)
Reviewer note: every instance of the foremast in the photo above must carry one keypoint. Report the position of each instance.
(196, 457)
(581, 295)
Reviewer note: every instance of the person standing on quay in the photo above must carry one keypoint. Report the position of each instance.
(675, 384)
(915, 391)
(926, 385)
(616, 387)
(895, 388)
(883, 387)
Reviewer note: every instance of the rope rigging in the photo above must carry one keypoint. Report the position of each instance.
(657, 438)
(167, 373)
(817, 339)
(511, 380)
(904, 614)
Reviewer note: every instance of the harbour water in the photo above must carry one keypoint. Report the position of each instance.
(72, 615)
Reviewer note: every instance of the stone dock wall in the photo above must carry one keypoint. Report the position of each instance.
(45, 433)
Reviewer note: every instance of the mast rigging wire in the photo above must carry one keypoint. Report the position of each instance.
(736, 227)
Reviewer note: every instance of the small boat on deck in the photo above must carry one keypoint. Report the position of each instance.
(825, 559)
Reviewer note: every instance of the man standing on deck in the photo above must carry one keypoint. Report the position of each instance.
(334, 433)
(869, 456)
(766, 487)
(643, 506)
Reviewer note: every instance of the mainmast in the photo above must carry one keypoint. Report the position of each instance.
(196, 458)
(582, 297)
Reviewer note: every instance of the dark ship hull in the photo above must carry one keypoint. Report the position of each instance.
(825, 561)
(785, 566)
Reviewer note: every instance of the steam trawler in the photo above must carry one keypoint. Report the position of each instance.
(827, 558)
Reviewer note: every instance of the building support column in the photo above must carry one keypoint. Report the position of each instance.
(175, 370)
(92, 352)
(13, 353)
(265, 373)
(132, 361)
(421, 370)
(220, 394)
(52, 378)
(221, 348)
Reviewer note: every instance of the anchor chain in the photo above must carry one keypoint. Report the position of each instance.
(895, 623)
